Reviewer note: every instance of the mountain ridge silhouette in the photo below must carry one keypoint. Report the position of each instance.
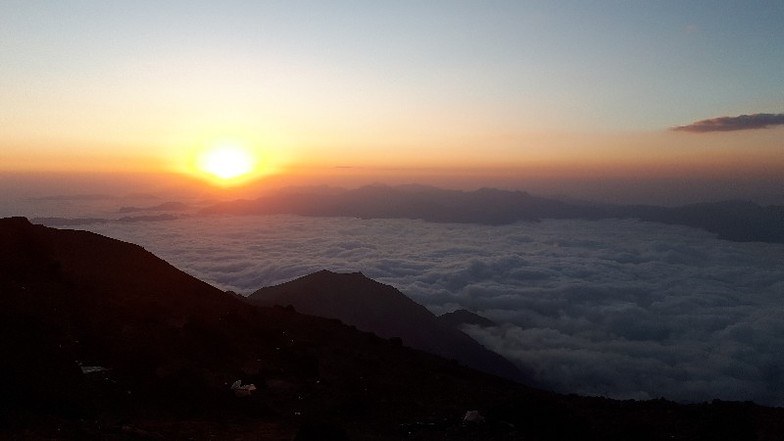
(741, 221)
(372, 306)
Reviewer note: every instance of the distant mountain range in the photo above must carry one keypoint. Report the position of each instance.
(730, 220)
(740, 221)
(101, 340)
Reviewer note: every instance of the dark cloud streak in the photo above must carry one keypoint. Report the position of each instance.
(734, 123)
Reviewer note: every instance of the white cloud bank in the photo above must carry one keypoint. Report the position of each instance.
(616, 307)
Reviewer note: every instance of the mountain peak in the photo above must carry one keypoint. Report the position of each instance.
(464, 317)
(382, 309)
(15, 221)
(358, 275)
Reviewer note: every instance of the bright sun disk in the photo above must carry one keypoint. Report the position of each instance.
(226, 162)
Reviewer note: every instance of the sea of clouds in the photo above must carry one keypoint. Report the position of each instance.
(617, 308)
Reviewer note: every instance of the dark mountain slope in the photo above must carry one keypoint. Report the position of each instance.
(101, 340)
(382, 309)
(72, 298)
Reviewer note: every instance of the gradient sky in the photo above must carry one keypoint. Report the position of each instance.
(498, 92)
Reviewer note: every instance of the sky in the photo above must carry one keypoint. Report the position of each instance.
(665, 101)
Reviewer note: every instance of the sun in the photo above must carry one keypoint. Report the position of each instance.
(227, 162)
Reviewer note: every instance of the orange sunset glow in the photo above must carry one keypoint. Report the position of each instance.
(515, 104)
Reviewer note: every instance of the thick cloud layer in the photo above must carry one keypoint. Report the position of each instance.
(618, 308)
(732, 123)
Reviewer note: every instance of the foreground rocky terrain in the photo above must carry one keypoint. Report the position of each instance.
(100, 339)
